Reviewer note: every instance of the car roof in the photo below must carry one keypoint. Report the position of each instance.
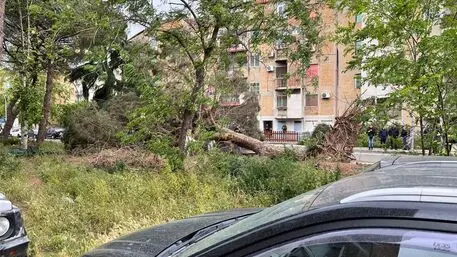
(403, 174)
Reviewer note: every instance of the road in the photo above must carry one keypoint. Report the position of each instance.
(371, 157)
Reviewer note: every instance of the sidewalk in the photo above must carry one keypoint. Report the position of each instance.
(382, 150)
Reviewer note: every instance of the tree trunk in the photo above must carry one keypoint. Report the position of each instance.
(186, 126)
(11, 117)
(259, 147)
(421, 124)
(2, 18)
(189, 111)
(46, 104)
(24, 135)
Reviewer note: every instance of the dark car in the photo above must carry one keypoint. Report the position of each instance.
(13, 238)
(400, 207)
(55, 133)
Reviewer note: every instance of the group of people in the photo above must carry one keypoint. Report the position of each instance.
(393, 132)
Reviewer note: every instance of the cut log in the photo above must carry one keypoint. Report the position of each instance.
(259, 147)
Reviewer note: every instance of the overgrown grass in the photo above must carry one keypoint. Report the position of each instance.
(70, 207)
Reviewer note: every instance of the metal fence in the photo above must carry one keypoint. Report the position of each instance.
(283, 136)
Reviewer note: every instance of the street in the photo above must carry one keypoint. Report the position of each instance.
(365, 156)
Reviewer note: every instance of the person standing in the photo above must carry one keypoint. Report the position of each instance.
(393, 133)
(370, 133)
(383, 136)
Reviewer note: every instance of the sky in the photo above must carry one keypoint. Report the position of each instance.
(160, 5)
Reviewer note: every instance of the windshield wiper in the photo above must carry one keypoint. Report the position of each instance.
(197, 236)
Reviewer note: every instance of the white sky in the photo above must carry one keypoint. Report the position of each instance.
(159, 5)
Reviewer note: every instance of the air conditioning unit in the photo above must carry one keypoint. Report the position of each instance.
(272, 54)
(326, 95)
(270, 68)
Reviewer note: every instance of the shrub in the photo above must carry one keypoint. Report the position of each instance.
(320, 132)
(10, 141)
(316, 138)
(68, 210)
(279, 178)
(48, 147)
(8, 163)
(87, 126)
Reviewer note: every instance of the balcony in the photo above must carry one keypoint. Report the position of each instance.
(237, 48)
(281, 54)
(281, 83)
(229, 101)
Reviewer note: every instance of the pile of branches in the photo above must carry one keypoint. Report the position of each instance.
(339, 143)
(128, 157)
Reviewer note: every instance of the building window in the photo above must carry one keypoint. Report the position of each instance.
(254, 60)
(254, 87)
(279, 44)
(359, 18)
(281, 9)
(358, 81)
(281, 102)
(312, 100)
(358, 45)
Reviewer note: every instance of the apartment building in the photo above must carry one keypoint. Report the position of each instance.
(301, 103)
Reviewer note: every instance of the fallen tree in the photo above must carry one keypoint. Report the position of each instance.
(340, 141)
(259, 147)
(337, 145)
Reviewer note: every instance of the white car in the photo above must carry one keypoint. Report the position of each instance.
(15, 132)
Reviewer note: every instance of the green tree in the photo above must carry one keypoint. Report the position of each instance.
(402, 45)
(48, 36)
(194, 36)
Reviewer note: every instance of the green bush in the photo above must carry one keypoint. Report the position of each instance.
(279, 178)
(87, 126)
(48, 147)
(8, 163)
(69, 208)
(10, 141)
(320, 132)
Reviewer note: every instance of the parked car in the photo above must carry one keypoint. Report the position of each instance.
(15, 132)
(55, 133)
(401, 207)
(13, 237)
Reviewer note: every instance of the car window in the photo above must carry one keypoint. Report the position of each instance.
(288, 208)
(369, 243)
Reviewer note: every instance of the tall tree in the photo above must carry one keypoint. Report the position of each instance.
(200, 33)
(402, 45)
(2, 17)
(55, 34)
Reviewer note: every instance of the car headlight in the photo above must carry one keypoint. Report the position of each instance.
(4, 226)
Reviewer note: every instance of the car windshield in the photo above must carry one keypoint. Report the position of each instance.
(288, 208)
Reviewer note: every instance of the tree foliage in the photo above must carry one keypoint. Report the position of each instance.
(408, 46)
(193, 39)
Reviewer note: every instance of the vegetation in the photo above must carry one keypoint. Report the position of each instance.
(408, 46)
(70, 207)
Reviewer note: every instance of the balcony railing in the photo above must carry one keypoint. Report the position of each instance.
(229, 101)
(281, 54)
(283, 136)
(281, 82)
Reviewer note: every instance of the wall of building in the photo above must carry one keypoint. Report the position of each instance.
(332, 78)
